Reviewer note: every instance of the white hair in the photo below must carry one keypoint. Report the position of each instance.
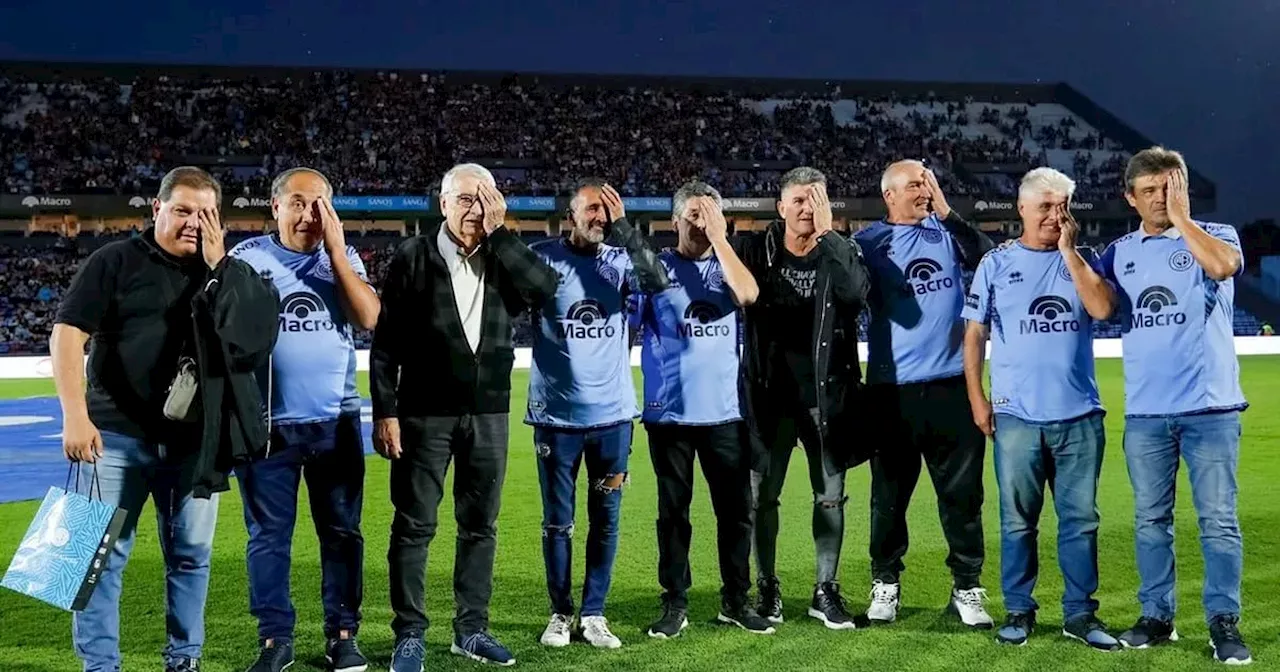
(1045, 180)
(446, 184)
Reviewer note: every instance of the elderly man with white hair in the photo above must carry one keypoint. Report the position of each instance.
(440, 374)
(1036, 300)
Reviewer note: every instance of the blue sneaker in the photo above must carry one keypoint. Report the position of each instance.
(409, 653)
(1017, 627)
(1091, 631)
(482, 648)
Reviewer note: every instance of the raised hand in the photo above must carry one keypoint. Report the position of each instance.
(938, 199)
(612, 203)
(335, 241)
(495, 208)
(1177, 200)
(1069, 228)
(821, 208)
(711, 220)
(212, 244)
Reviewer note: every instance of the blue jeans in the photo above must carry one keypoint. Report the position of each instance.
(129, 471)
(335, 483)
(560, 453)
(1210, 443)
(1068, 457)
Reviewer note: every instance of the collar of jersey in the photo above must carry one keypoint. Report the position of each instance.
(1171, 233)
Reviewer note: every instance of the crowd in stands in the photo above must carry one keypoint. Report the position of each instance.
(394, 134)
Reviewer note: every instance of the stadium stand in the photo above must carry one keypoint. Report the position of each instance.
(73, 138)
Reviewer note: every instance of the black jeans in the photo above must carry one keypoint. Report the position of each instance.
(479, 443)
(781, 433)
(930, 421)
(722, 450)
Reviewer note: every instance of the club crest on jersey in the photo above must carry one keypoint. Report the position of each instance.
(715, 280)
(323, 269)
(1064, 273)
(608, 272)
(1181, 260)
(932, 236)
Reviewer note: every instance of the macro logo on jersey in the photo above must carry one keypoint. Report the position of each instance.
(586, 319)
(1152, 309)
(700, 320)
(1181, 260)
(1049, 314)
(920, 277)
(303, 311)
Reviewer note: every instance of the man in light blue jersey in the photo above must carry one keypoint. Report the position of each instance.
(1037, 299)
(581, 398)
(915, 381)
(315, 421)
(689, 357)
(1175, 282)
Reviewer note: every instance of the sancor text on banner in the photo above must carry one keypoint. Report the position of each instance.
(98, 205)
(20, 367)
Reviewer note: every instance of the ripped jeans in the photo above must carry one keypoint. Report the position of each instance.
(829, 499)
(560, 453)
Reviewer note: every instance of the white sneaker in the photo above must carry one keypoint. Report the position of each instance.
(595, 629)
(557, 632)
(968, 604)
(884, 602)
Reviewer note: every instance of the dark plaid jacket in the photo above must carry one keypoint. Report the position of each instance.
(420, 363)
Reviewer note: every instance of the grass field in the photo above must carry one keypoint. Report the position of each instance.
(36, 638)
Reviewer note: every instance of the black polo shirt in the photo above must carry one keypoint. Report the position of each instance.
(134, 300)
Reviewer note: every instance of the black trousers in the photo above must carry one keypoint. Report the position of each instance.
(722, 450)
(478, 443)
(929, 422)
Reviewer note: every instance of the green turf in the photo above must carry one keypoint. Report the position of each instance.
(35, 638)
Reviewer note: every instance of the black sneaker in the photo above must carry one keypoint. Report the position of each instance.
(770, 599)
(1228, 645)
(183, 665)
(274, 657)
(1148, 632)
(828, 607)
(1017, 627)
(1091, 631)
(672, 622)
(743, 616)
(344, 656)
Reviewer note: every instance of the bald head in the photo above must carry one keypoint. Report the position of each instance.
(898, 174)
(905, 192)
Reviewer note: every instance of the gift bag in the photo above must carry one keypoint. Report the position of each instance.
(66, 547)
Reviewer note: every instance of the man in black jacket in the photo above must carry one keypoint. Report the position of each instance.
(802, 378)
(143, 305)
(440, 372)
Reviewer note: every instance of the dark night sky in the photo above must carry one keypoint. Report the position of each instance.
(1202, 76)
